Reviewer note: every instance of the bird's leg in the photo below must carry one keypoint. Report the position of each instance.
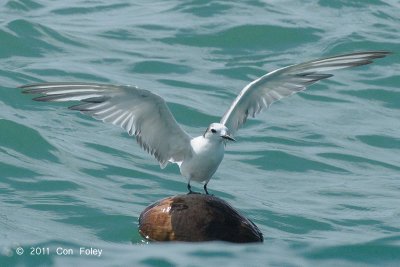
(205, 188)
(190, 189)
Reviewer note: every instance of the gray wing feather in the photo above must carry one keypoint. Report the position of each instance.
(138, 111)
(262, 92)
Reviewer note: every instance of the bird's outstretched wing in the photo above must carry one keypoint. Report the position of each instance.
(262, 92)
(139, 112)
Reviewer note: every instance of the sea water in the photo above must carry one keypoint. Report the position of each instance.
(319, 172)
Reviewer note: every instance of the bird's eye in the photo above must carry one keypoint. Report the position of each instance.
(213, 130)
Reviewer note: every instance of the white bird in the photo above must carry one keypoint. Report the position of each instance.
(146, 115)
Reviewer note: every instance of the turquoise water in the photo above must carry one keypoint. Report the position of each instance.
(318, 172)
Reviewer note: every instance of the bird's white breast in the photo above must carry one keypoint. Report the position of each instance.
(206, 156)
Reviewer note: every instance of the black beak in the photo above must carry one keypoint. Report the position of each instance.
(228, 137)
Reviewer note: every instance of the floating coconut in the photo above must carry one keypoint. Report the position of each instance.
(196, 217)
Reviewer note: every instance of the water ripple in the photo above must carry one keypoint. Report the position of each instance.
(89, 9)
(247, 37)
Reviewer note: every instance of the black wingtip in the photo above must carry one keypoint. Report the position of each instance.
(30, 90)
(29, 85)
(23, 86)
(42, 99)
(381, 54)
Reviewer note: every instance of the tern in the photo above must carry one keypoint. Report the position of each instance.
(146, 115)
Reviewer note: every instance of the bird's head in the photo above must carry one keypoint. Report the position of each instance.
(218, 132)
